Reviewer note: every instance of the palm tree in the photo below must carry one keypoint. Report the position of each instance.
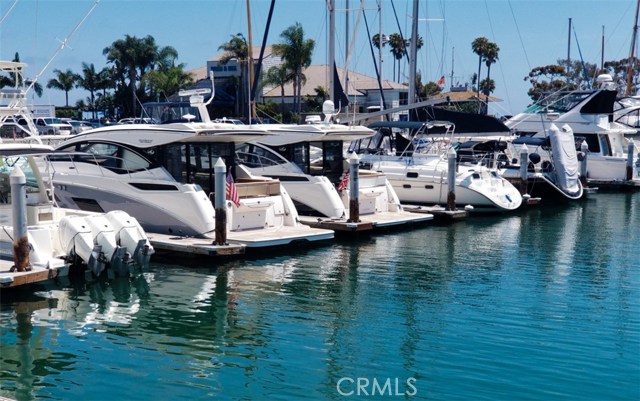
(479, 46)
(278, 76)
(124, 55)
(238, 49)
(490, 57)
(398, 48)
(65, 81)
(89, 80)
(167, 81)
(19, 80)
(296, 52)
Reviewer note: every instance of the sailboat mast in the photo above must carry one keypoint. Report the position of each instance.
(633, 49)
(569, 52)
(251, 66)
(414, 52)
(332, 48)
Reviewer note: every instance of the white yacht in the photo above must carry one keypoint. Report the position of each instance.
(309, 161)
(162, 173)
(590, 114)
(416, 164)
(555, 178)
(57, 238)
(61, 237)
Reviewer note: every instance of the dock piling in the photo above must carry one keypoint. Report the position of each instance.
(19, 208)
(219, 202)
(451, 178)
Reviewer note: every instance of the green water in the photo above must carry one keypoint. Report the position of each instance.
(538, 305)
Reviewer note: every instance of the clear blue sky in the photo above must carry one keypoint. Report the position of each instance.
(529, 34)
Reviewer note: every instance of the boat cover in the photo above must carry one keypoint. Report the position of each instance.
(565, 158)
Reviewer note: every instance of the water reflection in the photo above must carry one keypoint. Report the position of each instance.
(457, 307)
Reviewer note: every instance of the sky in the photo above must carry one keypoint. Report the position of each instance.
(528, 33)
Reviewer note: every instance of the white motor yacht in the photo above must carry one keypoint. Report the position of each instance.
(60, 237)
(416, 164)
(309, 161)
(590, 114)
(162, 173)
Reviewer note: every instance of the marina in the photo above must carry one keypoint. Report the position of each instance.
(288, 220)
(530, 305)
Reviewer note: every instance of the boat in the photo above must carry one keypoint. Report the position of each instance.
(612, 160)
(163, 174)
(58, 238)
(414, 157)
(310, 162)
(554, 177)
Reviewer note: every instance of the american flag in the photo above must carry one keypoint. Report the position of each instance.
(344, 181)
(232, 191)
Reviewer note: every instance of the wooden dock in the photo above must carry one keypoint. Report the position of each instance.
(37, 274)
(195, 246)
(440, 214)
(368, 222)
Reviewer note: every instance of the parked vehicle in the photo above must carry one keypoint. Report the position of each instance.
(79, 126)
(52, 126)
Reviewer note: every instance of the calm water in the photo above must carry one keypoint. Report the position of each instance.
(542, 305)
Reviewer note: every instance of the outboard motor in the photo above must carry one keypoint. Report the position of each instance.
(76, 239)
(130, 235)
(104, 234)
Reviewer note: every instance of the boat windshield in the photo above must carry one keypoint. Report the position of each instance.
(8, 166)
(170, 112)
(559, 102)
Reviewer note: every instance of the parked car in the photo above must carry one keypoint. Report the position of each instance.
(226, 120)
(131, 120)
(52, 126)
(79, 126)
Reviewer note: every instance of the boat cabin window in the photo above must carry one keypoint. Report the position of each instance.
(632, 119)
(332, 159)
(116, 158)
(254, 156)
(193, 163)
(297, 153)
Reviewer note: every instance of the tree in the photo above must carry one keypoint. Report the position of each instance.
(398, 48)
(89, 81)
(19, 80)
(167, 81)
(65, 81)
(296, 52)
(619, 71)
(238, 49)
(278, 76)
(490, 57)
(131, 59)
(479, 47)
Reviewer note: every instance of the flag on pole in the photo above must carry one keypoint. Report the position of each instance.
(232, 191)
(440, 81)
(344, 181)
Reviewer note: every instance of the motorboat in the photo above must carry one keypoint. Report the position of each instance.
(612, 157)
(163, 174)
(556, 177)
(310, 162)
(57, 237)
(413, 156)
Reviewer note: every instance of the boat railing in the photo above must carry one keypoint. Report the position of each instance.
(80, 162)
